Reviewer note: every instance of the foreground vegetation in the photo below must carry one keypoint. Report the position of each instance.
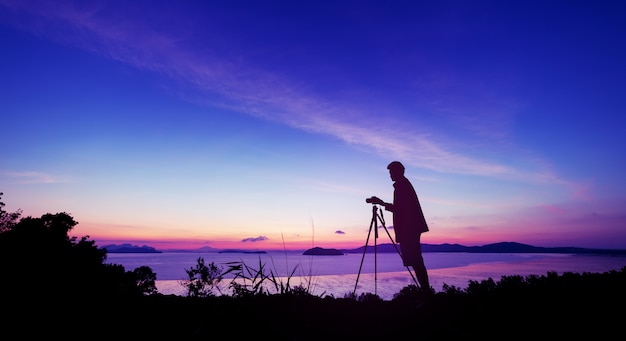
(56, 285)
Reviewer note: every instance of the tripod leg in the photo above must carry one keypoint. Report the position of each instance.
(372, 224)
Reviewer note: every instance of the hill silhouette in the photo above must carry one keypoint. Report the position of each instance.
(503, 247)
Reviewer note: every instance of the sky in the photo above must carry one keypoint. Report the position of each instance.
(265, 125)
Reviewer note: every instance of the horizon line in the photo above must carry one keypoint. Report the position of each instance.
(214, 249)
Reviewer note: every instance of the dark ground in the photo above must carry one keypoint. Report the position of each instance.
(566, 306)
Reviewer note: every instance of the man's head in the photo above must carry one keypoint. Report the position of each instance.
(396, 170)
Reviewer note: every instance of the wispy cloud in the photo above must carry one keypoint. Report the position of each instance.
(255, 239)
(251, 90)
(30, 177)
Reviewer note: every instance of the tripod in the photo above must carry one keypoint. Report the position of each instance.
(376, 216)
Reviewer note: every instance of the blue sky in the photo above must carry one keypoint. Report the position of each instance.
(266, 124)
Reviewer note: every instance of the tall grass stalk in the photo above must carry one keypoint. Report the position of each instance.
(248, 280)
(262, 280)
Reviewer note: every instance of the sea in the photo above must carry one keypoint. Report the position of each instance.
(354, 274)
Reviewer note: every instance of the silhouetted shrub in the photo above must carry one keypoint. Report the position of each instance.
(39, 259)
(203, 279)
(145, 280)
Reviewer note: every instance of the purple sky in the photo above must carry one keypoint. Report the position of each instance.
(266, 124)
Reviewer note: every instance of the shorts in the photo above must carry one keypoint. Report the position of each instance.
(411, 253)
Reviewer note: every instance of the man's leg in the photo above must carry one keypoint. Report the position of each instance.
(420, 269)
(422, 276)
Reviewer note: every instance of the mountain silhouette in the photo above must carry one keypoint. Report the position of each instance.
(502, 247)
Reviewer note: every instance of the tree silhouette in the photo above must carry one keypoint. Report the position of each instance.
(203, 278)
(40, 260)
(145, 279)
(7, 220)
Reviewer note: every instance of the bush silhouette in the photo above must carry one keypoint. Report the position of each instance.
(203, 279)
(39, 259)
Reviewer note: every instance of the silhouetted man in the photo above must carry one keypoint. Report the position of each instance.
(408, 222)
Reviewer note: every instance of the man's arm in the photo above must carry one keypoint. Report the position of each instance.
(386, 205)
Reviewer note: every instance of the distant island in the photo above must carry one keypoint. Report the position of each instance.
(128, 248)
(318, 251)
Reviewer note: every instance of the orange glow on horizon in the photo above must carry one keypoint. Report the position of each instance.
(180, 244)
(104, 234)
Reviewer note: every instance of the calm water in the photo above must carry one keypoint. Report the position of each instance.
(380, 273)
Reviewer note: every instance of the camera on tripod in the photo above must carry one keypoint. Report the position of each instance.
(374, 200)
